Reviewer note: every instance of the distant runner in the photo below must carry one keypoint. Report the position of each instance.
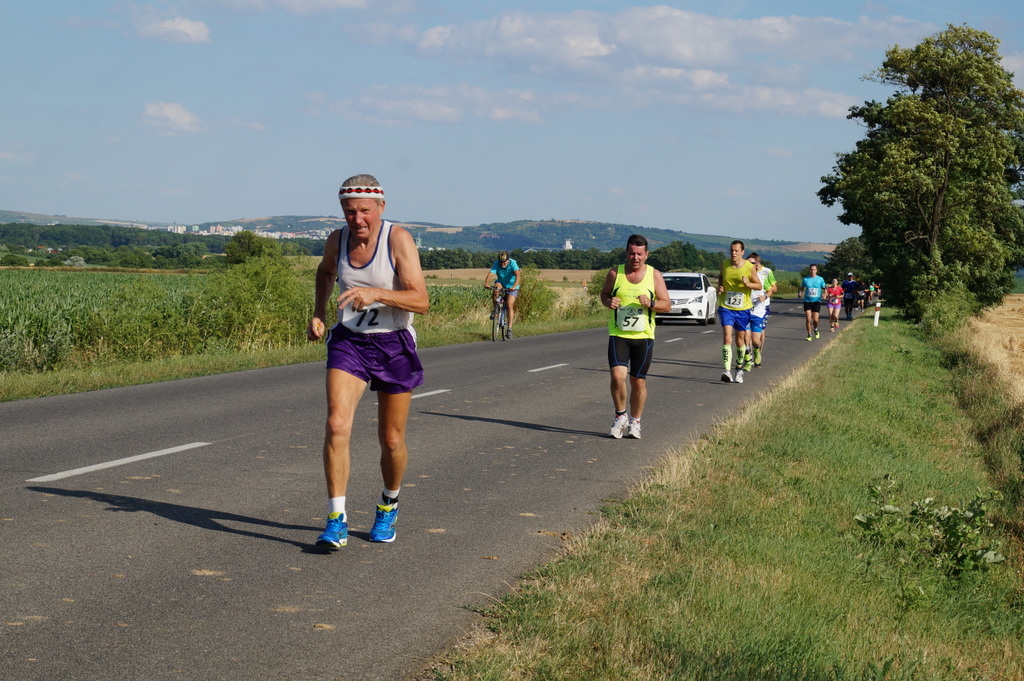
(759, 313)
(812, 290)
(736, 279)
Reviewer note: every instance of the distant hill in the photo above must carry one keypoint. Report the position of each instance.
(522, 234)
(12, 216)
(553, 234)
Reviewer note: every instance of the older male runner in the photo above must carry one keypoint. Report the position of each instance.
(377, 268)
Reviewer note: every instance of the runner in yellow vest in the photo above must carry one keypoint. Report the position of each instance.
(736, 279)
(633, 292)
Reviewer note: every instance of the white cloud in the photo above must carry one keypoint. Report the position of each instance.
(316, 102)
(154, 23)
(444, 104)
(543, 42)
(668, 54)
(16, 157)
(175, 30)
(1014, 63)
(298, 6)
(171, 118)
(247, 125)
(304, 6)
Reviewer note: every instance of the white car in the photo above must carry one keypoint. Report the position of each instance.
(693, 297)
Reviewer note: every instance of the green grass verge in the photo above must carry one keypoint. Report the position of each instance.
(741, 559)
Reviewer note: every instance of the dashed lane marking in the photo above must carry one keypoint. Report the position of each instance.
(553, 366)
(117, 462)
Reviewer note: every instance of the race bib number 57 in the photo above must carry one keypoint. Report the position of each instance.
(631, 318)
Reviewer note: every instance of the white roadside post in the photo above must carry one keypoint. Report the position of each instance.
(878, 310)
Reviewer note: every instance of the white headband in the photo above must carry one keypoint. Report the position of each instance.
(360, 193)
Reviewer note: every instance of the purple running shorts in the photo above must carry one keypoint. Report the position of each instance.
(387, 361)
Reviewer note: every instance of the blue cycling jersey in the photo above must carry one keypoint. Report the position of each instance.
(506, 275)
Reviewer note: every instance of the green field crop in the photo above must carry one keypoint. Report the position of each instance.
(52, 319)
(76, 319)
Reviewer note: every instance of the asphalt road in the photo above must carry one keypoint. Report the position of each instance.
(165, 531)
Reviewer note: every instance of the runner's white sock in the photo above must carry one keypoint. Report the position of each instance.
(336, 505)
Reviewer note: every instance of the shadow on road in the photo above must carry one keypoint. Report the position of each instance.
(515, 424)
(202, 518)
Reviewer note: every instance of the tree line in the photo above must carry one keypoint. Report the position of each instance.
(133, 248)
(678, 255)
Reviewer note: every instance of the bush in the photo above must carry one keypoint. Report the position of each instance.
(596, 283)
(942, 313)
(952, 539)
(256, 305)
(536, 299)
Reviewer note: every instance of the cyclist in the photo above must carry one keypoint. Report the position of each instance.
(507, 280)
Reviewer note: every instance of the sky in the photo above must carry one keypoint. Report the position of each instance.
(709, 117)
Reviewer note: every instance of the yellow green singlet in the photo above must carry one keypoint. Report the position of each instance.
(737, 294)
(632, 320)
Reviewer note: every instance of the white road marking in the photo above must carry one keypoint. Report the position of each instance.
(432, 392)
(553, 366)
(673, 340)
(118, 462)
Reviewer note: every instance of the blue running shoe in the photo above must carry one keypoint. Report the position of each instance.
(336, 534)
(384, 523)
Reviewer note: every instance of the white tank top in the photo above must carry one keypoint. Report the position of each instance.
(378, 273)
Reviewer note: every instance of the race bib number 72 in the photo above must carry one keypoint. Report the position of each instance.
(363, 320)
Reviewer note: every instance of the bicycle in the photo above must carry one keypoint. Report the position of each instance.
(499, 317)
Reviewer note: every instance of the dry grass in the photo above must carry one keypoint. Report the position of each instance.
(999, 338)
(810, 248)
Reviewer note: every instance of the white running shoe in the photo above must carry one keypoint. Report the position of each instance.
(619, 426)
(739, 376)
(726, 377)
(634, 429)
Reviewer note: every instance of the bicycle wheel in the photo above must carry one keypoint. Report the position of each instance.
(504, 323)
(495, 324)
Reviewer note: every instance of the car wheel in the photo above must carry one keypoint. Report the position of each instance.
(712, 315)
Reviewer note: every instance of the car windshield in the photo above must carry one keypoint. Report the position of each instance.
(683, 284)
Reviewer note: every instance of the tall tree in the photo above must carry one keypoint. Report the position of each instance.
(932, 184)
(849, 255)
